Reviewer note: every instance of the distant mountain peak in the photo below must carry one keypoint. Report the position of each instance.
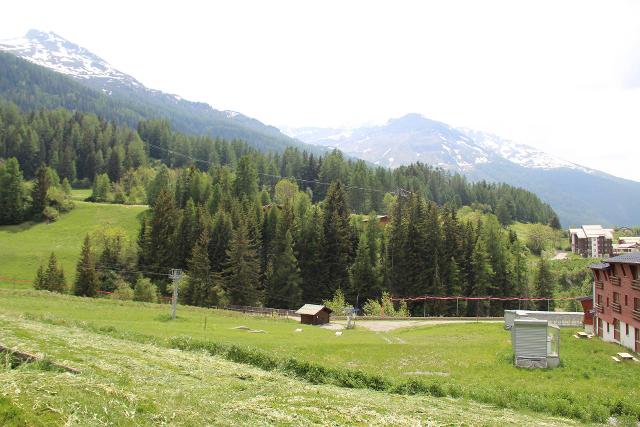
(50, 50)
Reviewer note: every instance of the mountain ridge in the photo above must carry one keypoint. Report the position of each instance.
(579, 194)
(55, 53)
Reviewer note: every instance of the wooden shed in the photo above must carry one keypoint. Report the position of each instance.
(312, 314)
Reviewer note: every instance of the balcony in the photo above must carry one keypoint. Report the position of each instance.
(615, 280)
(615, 306)
(600, 285)
(599, 308)
(636, 315)
(635, 284)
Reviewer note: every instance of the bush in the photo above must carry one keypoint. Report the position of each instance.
(385, 307)
(50, 214)
(123, 291)
(337, 303)
(145, 291)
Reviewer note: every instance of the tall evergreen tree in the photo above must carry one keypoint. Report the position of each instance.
(12, 200)
(202, 285)
(242, 270)
(336, 244)
(161, 239)
(544, 285)
(246, 183)
(54, 276)
(40, 188)
(284, 281)
(86, 277)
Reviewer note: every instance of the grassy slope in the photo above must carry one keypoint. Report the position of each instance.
(126, 383)
(473, 359)
(554, 238)
(24, 247)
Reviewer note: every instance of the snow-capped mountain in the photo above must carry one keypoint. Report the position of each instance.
(52, 51)
(413, 137)
(578, 194)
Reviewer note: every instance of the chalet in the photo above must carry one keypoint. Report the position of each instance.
(616, 298)
(591, 241)
(312, 314)
(382, 219)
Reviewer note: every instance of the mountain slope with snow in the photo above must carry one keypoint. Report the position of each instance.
(577, 193)
(126, 99)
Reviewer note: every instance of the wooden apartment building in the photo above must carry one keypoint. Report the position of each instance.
(616, 297)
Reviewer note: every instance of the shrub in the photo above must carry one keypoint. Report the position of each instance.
(123, 291)
(337, 303)
(385, 307)
(50, 214)
(145, 291)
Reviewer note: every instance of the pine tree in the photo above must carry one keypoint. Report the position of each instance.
(86, 277)
(364, 278)
(544, 286)
(336, 244)
(11, 193)
(221, 233)
(242, 270)
(39, 191)
(40, 280)
(54, 276)
(246, 183)
(284, 281)
(482, 276)
(308, 247)
(161, 240)
(186, 233)
(199, 289)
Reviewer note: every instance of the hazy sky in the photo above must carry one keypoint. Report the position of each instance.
(562, 76)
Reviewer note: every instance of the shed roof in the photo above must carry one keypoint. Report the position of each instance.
(312, 309)
(630, 258)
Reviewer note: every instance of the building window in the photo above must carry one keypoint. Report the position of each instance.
(627, 328)
(599, 299)
(607, 328)
(624, 270)
(607, 301)
(636, 303)
(616, 298)
(626, 299)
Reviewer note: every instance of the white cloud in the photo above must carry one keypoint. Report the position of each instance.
(561, 76)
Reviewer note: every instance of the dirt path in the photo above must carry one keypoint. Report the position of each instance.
(390, 325)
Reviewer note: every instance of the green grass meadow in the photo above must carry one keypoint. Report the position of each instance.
(24, 247)
(472, 361)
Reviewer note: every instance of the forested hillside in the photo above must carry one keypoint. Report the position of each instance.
(249, 235)
(34, 87)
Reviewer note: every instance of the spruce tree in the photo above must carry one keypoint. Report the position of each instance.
(54, 276)
(219, 243)
(86, 277)
(11, 193)
(308, 248)
(482, 277)
(40, 280)
(199, 289)
(284, 281)
(544, 285)
(161, 241)
(242, 270)
(41, 185)
(364, 278)
(336, 244)
(246, 183)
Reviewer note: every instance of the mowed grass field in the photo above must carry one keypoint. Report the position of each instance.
(24, 247)
(128, 383)
(472, 360)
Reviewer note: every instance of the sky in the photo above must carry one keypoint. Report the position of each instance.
(562, 76)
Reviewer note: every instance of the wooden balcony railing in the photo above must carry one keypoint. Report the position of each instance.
(636, 315)
(615, 306)
(599, 308)
(615, 280)
(635, 284)
(599, 284)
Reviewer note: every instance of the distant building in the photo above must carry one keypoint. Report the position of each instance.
(591, 241)
(382, 219)
(616, 297)
(311, 314)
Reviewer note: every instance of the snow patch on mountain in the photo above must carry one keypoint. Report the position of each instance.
(49, 50)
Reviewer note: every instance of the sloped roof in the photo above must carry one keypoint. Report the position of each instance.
(630, 258)
(312, 309)
(599, 266)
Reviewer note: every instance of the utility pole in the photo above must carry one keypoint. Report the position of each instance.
(176, 274)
